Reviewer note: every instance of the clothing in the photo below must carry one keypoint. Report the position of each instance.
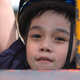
(14, 57)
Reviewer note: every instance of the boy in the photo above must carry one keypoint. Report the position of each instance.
(47, 27)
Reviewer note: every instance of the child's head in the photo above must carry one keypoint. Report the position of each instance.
(47, 36)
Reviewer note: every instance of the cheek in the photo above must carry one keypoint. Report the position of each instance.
(61, 54)
(31, 50)
(62, 49)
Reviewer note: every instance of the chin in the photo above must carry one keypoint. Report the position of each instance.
(43, 68)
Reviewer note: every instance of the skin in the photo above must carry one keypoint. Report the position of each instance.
(48, 41)
(8, 32)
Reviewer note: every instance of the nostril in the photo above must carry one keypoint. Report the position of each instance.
(48, 50)
(42, 49)
(45, 50)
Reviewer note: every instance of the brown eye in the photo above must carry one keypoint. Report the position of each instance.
(60, 39)
(36, 36)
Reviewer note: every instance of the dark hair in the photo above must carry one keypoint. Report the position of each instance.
(38, 13)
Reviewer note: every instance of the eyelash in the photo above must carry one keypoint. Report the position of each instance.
(60, 39)
(36, 36)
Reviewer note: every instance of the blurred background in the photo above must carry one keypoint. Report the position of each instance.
(15, 5)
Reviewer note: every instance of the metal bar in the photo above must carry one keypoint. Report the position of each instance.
(39, 74)
(78, 34)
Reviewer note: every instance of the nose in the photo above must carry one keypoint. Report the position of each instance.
(46, 46)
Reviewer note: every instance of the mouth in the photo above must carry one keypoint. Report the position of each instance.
(44, 59)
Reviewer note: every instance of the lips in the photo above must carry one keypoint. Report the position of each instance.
(42, 58)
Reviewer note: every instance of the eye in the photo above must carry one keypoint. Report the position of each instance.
(36, 36)
(60, 39)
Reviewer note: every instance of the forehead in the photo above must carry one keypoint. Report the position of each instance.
(50, 19)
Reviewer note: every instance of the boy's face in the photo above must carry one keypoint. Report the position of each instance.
(48, 41)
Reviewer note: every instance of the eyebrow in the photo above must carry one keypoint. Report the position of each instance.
(35, 27)
(57, 29)
(62, 30)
